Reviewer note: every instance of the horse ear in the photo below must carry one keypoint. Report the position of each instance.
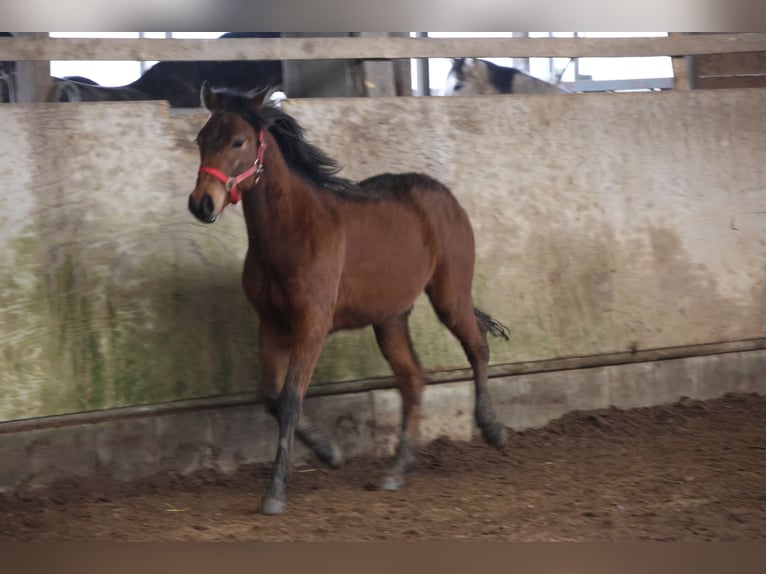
(457, 63)
(208, 97)
(257, 98)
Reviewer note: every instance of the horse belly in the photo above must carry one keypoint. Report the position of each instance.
(388, 263)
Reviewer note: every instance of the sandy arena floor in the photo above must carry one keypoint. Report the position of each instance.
(689, 471)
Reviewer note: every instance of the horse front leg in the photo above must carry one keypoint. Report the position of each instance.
(289, 406)
(274, 350)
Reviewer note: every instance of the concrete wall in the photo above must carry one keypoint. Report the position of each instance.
(132, 443)
(603, 222)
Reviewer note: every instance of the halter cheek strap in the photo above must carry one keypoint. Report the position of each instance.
(230, 182)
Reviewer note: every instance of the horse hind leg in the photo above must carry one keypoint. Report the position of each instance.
(470, 327)
(493, 432)
(393, 338)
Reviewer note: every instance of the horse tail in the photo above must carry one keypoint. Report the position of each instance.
(492, 326)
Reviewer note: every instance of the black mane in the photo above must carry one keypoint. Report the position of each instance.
(304, 159)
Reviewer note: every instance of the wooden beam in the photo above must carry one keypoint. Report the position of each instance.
(370, 48)
(741, 70)
(732, 81)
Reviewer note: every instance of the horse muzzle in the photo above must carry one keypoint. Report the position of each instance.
(204, 209)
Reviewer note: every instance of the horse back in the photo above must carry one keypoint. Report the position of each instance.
(439, 211)
(407, 228)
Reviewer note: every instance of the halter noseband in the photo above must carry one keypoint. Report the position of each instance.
(230, 182)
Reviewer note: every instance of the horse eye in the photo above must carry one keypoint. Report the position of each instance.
(237, 143)
(458, 87)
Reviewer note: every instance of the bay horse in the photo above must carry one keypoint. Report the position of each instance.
(326, 254)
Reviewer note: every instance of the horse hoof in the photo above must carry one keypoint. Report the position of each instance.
(271, 506)
(495, 435)
(330, 454)
(334, 458)
(391, 482)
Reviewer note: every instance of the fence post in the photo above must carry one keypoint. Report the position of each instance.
(33, 79)
(321, 78)
(680, 70)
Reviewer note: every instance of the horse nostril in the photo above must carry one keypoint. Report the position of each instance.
(202, 210)
(206, 206)
(192, 206)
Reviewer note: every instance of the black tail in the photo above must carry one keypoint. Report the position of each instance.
(492, 326)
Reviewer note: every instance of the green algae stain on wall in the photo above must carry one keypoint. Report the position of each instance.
(23, 368)
(111, 294)
(153, 337)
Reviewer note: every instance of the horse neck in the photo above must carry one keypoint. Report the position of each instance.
(276, 206)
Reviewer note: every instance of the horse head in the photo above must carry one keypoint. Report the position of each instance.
(231, 145)
(470, 77)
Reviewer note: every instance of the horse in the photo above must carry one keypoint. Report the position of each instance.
(81, 89)
(326, 254)
(471, 76)
(179, 82)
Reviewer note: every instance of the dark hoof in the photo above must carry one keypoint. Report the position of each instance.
(392, 482)
(332, 456)
(495, 435)
(272, 505)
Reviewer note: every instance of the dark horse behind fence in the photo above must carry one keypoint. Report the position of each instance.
(326, 254)
(179, 82)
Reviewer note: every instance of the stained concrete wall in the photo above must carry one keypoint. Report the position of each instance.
(603, 223)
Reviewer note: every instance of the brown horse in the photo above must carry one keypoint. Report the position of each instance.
(326, 254)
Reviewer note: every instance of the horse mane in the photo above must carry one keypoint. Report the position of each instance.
(501, 76)
(303, 158)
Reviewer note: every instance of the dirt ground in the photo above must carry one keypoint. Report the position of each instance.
(689, 471)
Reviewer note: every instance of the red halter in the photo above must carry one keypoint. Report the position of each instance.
(230, 182)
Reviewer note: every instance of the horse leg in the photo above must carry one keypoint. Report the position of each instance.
(326, 450)
(457, 314)
(274, 353)
(393, 338)
(303, 359)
